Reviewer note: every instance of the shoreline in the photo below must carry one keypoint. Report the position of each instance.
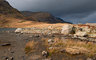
(19, 40)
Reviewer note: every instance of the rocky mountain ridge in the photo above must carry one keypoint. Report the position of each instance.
(7, 10)
(42, 17)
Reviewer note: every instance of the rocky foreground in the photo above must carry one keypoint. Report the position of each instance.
(53, 42)
(80, 30)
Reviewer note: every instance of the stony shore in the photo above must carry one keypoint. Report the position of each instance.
(75, 42)
(80, 30)
(14, 46)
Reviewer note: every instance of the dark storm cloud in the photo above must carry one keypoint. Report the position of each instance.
(77, 8)
(90, 18)
(55, 6)
(81, 18)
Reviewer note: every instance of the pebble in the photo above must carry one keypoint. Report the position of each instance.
(12, 51)
(47, 59)
(50, 48)
(45, 54)
(50, 41)
(6, 58)
(89, 59)
(37, 36)
(11, 58)
(62, 50)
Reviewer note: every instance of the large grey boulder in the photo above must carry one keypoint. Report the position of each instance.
(81, 34)
(67, 29)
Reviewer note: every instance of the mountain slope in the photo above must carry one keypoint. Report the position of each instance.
(12, 18)
(7, 10)
(42, 17)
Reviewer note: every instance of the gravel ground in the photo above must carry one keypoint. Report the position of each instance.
(12, 46)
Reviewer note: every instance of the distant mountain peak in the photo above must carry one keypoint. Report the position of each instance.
(42, 17)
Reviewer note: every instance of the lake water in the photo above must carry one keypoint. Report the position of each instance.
(7, 29)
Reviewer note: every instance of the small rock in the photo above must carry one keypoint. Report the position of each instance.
(50, 48)
(50, 41)
(47, 59)
(6, 44)
(12, 51)
(37, 36)
(9, 49)
(6, 58)
(89, 59)
(75, 36)
(83, 38)
(8, 31)
(11, 58)
(53, 35)
(45, 54)
(62, 50)
(81, 34)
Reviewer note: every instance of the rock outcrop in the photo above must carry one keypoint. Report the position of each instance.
(37, 30)
(85, 30)
(81, 30)
(67, 29)
(81, 34)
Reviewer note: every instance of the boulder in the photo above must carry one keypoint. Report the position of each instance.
(18, 30)
(45, 54)
(81, 34)
(92, 35)
(67, 29)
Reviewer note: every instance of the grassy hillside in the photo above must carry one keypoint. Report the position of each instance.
(7, 10)
(42, 17)
(12, 18)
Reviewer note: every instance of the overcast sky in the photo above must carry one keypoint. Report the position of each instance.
(81, 11)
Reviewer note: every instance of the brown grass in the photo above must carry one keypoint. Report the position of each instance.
(10, 22)
(73, 47)
(30, 46)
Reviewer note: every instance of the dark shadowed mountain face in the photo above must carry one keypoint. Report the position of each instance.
(7, 10)
(42, 17)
